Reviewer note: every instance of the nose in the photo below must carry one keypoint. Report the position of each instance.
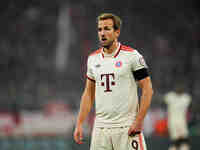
(102, 33)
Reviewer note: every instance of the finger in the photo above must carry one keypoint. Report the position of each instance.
(80, 138)
(81, 135)
(130, 131)
(135, 133)
(76, 137)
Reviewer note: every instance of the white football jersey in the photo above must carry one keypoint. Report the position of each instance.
(177, 109)
(116, 99)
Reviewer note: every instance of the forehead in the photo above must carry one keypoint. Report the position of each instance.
(106, 22)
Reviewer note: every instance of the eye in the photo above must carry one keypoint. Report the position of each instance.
(107, 28)
(99, 29)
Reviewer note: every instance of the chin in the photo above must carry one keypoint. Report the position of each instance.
(107, 45)
(104, 45)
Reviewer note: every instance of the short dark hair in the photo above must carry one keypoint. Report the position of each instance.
(116, 19)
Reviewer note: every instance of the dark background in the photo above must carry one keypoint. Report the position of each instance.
(44, 46)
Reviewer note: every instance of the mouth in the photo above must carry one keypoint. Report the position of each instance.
(103, 41)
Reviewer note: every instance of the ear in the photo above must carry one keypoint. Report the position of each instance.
(117, 32)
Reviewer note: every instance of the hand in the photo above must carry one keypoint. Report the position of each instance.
(135, 128)
(78, 135)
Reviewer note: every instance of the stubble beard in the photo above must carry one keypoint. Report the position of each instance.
(108, 45)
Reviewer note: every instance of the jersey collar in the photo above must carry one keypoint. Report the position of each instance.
(113, 54)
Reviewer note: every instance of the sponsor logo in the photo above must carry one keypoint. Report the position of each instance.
(108, 81)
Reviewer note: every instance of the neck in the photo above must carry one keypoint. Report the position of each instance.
(111, 48)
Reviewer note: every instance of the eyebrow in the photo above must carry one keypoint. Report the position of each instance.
(105, 27)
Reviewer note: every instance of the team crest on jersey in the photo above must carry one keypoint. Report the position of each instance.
(118, 64)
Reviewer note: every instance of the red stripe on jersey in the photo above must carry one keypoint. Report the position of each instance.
(90, 79)
(141, 142)
(95, 52)
(117, 52)
(126, 48)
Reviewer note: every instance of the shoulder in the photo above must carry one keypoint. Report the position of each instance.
(169, 95)
(129, 50)
(95, 52)
(126, 48)
(93, 55)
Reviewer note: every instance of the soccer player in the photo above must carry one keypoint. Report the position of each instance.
(178, 102)
(113, 74)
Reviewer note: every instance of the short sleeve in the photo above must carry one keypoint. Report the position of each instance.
(90, 73)
(188, 99)
(168, 97)
(138, 61)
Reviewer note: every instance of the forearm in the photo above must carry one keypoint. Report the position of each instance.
(144, 106)
(85, 108)
(145, 102)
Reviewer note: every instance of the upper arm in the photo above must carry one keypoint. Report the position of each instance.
(140, 71)
(145, 84)
(139, 67)
(90, 72)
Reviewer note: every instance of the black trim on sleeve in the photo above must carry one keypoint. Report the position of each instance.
(140, 74)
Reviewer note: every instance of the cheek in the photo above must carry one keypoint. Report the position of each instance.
(99, 35)
(111, 36)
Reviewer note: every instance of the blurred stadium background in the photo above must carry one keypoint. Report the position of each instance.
(44, 46)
